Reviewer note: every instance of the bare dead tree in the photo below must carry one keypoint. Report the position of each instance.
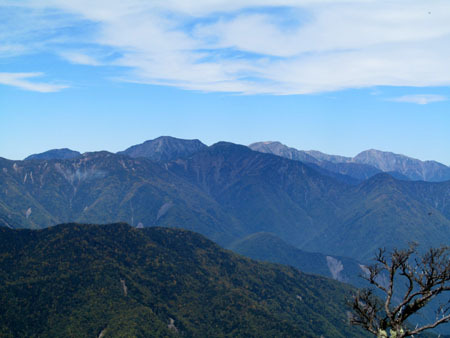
(426, 276)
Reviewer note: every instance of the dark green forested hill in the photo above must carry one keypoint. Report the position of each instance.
(113, 280)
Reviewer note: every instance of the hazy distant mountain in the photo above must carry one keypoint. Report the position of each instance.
(280, 149)
(365, 164)
(164, 148)
(414, 169)
(55, 154)
(117, 281)
(326, 157)
(326, 162)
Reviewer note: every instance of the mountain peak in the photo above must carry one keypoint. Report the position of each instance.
(165, 148)
(55, 154)
(229, 145)
(410, 167)
(363, 165)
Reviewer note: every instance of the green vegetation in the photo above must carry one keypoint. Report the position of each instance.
(80, 280)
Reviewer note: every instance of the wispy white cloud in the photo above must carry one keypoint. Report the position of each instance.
(22, 81)
(80, 58)
(11, 50)
(254, 46)
(420, 98)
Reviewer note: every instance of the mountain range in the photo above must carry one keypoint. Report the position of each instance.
(228, 192)
(347, 169)
(315, 213)
(364, 165)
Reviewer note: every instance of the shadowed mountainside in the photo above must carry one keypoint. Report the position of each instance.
(315, 212)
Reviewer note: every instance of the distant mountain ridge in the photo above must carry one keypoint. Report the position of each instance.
(277, 148)
(413, 168)
(227, 192)
(357, 171)
(55, 154)
(363, 165)
(346, 169)
(164, 148)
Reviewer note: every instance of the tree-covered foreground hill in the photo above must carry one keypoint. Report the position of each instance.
(113, 280)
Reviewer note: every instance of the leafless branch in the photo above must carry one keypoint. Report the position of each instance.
(427, 276)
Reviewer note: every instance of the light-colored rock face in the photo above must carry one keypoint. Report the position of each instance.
(164, 209)
(75, 175)
(171, 326)
(335, 266)
(365, 270)
(124, 287)
(102, 333)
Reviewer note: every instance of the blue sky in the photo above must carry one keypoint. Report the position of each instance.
(336, 76)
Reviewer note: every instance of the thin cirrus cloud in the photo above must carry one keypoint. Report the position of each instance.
(420, 98)
(256, 46)
(80, 58)
(22, 81)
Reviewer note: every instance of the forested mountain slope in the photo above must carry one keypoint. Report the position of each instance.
(115, 280)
